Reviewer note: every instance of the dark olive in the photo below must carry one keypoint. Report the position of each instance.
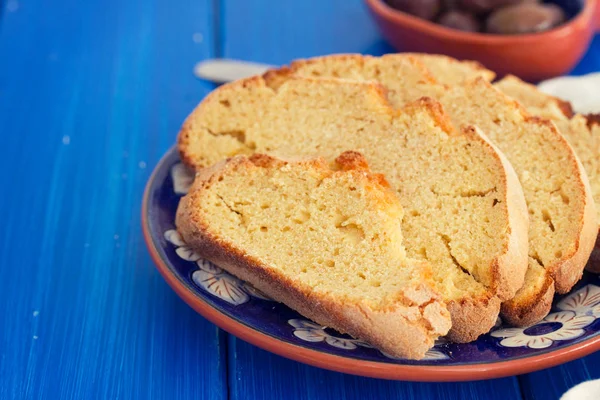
(426, 9)
(450, 5)
(524, 18)
(460, 20)
(485, 6)
(557, 13)
(476, 6)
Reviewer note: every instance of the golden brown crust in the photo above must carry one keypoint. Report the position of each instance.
(468, 313)
(183, 140)
(593, 265)
(276, 77)
(393, 329)
(436, 111)
(565, 107)
(352, 160)
(532, 309)
(592, 120)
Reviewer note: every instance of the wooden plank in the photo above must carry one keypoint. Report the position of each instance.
(257, 374)
(591, 61)
(552, 383)
(277, 32)
(91, 95)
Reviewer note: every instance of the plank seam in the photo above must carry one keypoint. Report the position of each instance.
(217, 29)
(217, 49)
(521, 387)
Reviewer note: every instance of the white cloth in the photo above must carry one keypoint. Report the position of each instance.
(224, 70)
(583, 92)
(589, 390)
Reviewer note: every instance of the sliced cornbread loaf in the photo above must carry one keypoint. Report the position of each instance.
(465, 211)
(559, 200)
(582, 132)
(326, 242)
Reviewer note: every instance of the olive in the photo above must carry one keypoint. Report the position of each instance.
(476, 6)
(524, 18)
(426, 9)
(460, 20)
(450, 5)
(485, 6)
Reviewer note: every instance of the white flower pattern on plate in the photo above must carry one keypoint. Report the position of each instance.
(216, 281)
(585, 301)
(562, 325)
(182, 178)
(255, 292)
(182, 250)
(431, 355)
(311, 332)
(211, 278)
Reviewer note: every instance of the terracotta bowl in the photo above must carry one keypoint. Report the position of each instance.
(532, 57)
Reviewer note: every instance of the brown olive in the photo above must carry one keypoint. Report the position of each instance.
(460, 20)
(476, 6)
(450, 5)
(524, 18)
(485, 6)
(426, 9)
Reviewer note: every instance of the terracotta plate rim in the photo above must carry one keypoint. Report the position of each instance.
(373, 369)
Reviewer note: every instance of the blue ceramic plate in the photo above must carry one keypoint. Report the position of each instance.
(570, 331)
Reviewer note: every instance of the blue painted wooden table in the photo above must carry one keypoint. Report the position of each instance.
(92, 93)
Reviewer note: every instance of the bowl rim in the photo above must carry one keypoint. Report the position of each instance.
(373, 369)
(397, 17)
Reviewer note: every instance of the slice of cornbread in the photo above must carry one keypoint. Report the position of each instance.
(325, 241)
(581, 131)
